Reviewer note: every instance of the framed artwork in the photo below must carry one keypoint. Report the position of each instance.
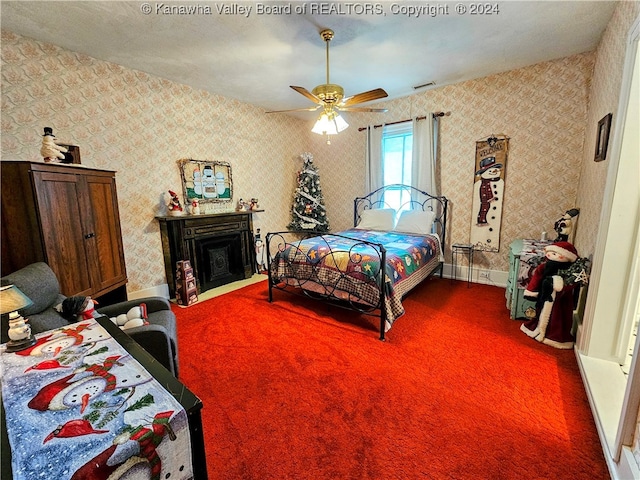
(602, 140)
(206, 180)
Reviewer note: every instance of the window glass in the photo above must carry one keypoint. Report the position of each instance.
(397, 144)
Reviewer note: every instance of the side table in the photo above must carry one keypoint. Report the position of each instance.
(524, 256)
(462, 249)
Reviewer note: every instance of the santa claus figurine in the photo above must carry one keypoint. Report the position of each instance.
(553, 294)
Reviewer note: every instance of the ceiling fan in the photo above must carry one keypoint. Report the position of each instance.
(331, 97)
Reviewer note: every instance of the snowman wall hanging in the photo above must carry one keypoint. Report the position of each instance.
(488, 192)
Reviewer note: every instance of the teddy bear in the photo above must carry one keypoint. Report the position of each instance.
(553, 294)
(135, 317)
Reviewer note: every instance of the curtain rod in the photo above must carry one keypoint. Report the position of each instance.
(434, 115)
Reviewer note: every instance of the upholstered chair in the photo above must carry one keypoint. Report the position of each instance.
(38, 282)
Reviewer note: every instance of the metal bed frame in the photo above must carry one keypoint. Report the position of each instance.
(331, 293)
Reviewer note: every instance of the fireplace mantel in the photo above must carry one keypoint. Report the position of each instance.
(219, 246)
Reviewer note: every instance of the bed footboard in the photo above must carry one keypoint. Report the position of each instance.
(351, 275)
(354, 273)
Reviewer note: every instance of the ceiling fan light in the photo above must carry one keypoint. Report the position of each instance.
(340, 122)
(329, 124)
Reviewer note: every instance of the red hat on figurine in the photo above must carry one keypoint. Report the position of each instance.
(565, 249)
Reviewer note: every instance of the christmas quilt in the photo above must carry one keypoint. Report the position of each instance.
(347, 265)
(78, 406)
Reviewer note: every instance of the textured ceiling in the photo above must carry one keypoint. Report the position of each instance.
(234, 49)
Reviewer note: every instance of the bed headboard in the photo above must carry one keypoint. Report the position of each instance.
(412, 199)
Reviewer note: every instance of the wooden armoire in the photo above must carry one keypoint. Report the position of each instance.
(66, 216)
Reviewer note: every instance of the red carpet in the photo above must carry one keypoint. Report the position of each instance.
(457, 391)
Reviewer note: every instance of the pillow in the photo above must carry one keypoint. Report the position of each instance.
(416, 221)
(377, 219)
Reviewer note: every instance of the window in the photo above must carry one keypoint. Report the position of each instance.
(397, 144)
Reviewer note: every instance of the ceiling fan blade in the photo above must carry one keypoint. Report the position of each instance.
(306, 93)
(361, 109)
(310, 109)
(364, 97)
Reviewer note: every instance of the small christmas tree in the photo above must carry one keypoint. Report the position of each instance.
(308, 211)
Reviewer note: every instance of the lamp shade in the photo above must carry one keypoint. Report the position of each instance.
(329, 124)
(12, 299)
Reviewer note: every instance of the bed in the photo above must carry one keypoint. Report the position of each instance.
(368, 268)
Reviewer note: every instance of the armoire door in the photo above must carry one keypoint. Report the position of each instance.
(104, 245)
(63, 228)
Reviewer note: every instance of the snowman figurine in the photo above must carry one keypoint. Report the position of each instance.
(135, 317)
(77, 308)
(195, 206)
(50, 150)
(18, 328)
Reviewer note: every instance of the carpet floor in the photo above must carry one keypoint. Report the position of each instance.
(297, 390)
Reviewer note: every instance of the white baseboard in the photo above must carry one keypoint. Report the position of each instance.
(605, 386)
(157, 291)
(163, 290)
(627, 467)
(497, 278)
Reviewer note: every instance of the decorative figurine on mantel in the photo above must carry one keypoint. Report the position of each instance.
(50, 150)
(243, 206)
(195, 206)
(174, 207)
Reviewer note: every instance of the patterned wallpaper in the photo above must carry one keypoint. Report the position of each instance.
(604, 98)
(542, 108)
(141, 125)
(605, 92)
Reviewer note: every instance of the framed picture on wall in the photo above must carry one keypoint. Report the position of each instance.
(206, 181)
(602, 140)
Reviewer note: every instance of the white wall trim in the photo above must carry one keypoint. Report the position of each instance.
(613, 249)
(157, 291)
(605, 387)
(497, 278)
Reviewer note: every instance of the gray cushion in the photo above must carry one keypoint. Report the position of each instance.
(48, 319)
(38, 282)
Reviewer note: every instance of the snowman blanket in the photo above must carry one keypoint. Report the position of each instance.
(78, 406)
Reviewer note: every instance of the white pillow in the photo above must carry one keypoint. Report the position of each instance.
(377, 219)
(416, 221)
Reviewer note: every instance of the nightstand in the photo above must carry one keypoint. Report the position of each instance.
(524, 256)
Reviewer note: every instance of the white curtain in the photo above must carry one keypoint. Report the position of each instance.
(373, 167)
(423, 161)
